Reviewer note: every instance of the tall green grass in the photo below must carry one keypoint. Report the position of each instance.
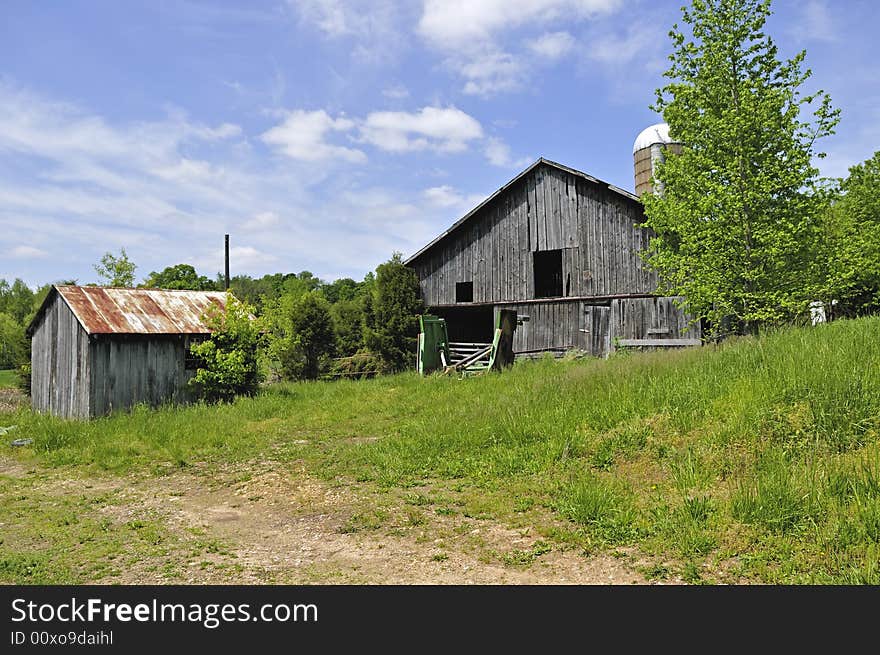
(756, 458)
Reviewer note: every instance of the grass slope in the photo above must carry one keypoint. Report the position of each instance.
(8, 378)
(758, 459)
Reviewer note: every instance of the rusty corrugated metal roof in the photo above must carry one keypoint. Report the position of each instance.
(103, 310)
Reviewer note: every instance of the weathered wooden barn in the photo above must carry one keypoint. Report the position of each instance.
(562, 249)
(96, 349)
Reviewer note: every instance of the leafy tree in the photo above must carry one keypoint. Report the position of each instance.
(341, 290)
(228, 360)
(853, 241)
(4, 295)
(16, 300)
(348, 323)
(180, 276)
(116, 271)
(312, 332)
(13, 342)
(269, 288)
(249, 290)
(738, 221)
(301, 334)
(391, 318)
(297, 285)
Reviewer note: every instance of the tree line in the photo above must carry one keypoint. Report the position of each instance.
(305, 327)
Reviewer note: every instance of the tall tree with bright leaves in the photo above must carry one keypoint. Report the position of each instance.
(116, 271)
(738, 221)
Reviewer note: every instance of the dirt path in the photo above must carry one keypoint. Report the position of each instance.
(279, 525)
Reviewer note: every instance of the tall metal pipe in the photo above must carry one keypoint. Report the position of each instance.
(227, 262)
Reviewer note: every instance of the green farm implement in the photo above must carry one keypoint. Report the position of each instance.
(437, 353)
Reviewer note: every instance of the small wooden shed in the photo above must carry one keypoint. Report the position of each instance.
(99, 349)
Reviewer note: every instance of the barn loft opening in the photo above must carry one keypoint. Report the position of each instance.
(548, 273)
(464, 291)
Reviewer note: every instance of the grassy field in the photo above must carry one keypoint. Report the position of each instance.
(8, 378)
(758, 460)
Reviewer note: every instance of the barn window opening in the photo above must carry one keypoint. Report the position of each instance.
(548, 273)
(464, 292)
(191, 362)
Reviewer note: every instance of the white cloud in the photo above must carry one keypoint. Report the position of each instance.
(446, 197)
(442, 196)
(552, 45)
(477, 37)
(27, 252)
(492, 73)
(816, 22)
(498, 154)
(375, 26)
(505, 123)
(261, 221)
(396, 92)
(616, 48)
(442, 129)
(187, 169)
(302, 136)
(455, 23)
(248, 256)
(332, 17)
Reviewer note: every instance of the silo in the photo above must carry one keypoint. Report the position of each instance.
(648, 149)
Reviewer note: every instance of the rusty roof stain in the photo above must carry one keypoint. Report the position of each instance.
(105, 310)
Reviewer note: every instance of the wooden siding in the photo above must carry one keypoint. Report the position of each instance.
(547, 326)
(566, 325)
(60, 363)
(127, 370)
(651, 318)
(548, 209)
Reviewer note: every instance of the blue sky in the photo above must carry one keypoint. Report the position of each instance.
(323, 135)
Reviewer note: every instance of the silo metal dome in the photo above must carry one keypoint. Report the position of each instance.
(648, 149)
(657, 133)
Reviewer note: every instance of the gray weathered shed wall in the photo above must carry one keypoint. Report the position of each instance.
(60, 363)
(547, 209)
(127, 370)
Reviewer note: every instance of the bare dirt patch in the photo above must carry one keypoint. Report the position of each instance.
(285, 526)
(11, 400)
(275, 523)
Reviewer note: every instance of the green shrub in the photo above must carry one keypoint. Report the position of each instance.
(228, 359)
(24, 378)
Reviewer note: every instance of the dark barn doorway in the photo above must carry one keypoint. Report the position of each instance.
(474, 324)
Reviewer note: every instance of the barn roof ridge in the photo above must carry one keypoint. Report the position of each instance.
(538, 162)
(124, 310)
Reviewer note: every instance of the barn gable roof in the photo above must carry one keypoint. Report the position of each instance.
(110, 310)
(541, 161)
